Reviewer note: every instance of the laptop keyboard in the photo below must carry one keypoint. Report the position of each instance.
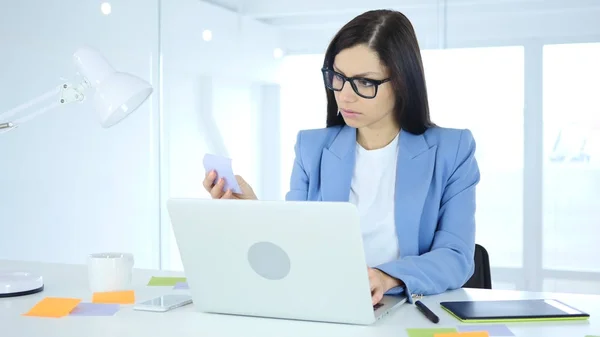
(377, 306)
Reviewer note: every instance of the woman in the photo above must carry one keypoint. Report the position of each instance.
(412, 182)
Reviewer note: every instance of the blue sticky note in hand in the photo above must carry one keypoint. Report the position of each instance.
(222, 165)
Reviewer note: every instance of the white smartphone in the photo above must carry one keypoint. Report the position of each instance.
(164, 303)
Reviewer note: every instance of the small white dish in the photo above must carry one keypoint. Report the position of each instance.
(20, 283)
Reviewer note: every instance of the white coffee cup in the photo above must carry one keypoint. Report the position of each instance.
(110, 271)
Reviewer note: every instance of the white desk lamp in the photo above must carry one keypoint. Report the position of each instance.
(116, 95)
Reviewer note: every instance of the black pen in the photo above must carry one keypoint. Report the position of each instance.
(428, 313)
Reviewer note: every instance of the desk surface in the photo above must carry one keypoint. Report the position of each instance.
(71, 281)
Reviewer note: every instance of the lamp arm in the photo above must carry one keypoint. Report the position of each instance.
(63, 94)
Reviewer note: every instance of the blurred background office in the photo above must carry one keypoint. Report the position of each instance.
(242, 77)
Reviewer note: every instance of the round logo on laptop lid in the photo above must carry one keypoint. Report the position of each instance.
(269, 260)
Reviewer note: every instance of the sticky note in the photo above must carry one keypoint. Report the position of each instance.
(114, 297)
(463, 334)
(428, 332)
(222, 165)
(53, 307)
(165, 281)
(181, 285)
(95, 309)
(492, 329)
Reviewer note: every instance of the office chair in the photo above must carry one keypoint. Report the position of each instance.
(482, 277)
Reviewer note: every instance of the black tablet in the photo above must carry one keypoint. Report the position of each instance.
(512, 310)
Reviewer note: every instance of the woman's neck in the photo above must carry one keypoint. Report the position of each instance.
(373, 139)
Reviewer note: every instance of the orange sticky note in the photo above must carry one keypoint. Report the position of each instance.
(114, 297)
(53, 307)
(464, 334)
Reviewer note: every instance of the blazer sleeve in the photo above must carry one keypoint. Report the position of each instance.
(299, 178)
(449, 263)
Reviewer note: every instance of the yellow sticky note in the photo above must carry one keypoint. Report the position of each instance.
(114, 297)
(414, 332)
(53, 307)
(464, 334)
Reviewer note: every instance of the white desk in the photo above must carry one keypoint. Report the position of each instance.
(71, 281)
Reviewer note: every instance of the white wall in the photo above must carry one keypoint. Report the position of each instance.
(69, 187)
(210, 97)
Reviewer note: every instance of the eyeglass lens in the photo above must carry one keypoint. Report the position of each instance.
(362, 87)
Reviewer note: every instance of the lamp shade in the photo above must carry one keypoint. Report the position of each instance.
(117, 94)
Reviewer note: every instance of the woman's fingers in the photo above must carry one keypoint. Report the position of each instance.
(228, 195)
(376, 287)
(376, 296)
(247, 192)
(209, 180)
(217, 191)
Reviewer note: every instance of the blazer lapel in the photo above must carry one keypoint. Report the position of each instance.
(337, 166)
(414, 170)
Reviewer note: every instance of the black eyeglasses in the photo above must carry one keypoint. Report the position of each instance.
(363, 87)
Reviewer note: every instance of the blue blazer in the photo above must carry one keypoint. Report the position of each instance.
(434, 199)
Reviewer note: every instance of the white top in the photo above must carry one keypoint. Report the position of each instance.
(372, 191)
(71, 281)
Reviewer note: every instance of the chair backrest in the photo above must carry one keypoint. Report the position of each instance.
(482, 277)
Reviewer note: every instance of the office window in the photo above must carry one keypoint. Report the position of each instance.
(571, 183)
(504, 285)
(571, 286)
(482, 89)
(303, 105)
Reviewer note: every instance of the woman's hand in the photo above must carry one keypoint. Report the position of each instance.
(380, 284)
(216, 190)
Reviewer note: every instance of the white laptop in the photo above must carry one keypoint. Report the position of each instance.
(279, 259)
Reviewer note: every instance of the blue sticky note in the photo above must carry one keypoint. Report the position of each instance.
(492, 329)
(222, 165)
(181, 285)
(95, 309)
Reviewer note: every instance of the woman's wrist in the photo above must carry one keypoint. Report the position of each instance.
(390, 282)
(393, 282)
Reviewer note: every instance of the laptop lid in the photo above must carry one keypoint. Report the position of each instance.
(283, 259)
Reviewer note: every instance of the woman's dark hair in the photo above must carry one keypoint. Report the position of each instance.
(391, 35)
